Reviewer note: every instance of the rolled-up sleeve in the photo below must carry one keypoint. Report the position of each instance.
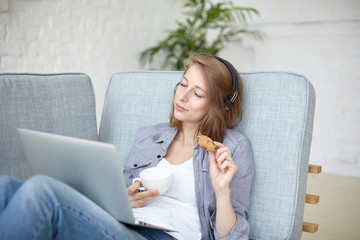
(240, 192)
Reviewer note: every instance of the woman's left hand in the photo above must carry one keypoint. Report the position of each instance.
(222, 168)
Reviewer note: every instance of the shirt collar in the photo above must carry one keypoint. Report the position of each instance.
(167, 136)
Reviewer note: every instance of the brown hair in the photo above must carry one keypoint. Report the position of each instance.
(219, 82)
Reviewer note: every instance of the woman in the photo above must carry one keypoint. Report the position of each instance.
(209, 198)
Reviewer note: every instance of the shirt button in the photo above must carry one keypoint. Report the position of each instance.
(158, 156)
(135, 165)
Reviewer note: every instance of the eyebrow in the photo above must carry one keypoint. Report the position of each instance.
(195, 85)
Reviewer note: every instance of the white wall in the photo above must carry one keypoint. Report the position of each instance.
(320, 39)
(96, 37)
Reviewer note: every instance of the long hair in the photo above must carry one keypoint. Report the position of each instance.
(219, 81)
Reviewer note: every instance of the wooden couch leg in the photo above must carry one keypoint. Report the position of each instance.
(312, 199)
(310, 227)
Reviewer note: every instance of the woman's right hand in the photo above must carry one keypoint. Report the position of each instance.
(139, 199)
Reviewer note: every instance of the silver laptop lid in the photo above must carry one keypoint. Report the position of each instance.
(93, 168)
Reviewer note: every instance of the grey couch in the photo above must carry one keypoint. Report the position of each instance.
(278, 120)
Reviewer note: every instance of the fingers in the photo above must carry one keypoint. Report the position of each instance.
(134, 188)
(221, 149)
(222, 153)
(223, 158)
(222, 162)
(139, 199)
(212, 159)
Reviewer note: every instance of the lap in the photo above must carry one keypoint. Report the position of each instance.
(8, 187)
(57, 210)
(78, 216)
(152, 234)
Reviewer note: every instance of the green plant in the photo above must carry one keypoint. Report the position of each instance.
(204, 17)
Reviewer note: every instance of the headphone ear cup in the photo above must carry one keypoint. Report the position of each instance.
(228, 103)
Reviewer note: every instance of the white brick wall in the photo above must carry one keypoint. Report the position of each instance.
(320, 39)
(98, 38)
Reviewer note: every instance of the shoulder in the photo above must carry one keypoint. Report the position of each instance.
(154, 132)
(235, 139)
(156, 128)
(241, 150)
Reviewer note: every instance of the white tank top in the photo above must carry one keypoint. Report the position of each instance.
(176, 208)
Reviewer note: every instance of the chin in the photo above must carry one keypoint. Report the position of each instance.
(178, 117)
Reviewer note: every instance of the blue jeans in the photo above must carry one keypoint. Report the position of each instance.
(44, 208)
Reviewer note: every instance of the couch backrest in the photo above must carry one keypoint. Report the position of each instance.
(278, 120)
(133, 100)
(56, 103)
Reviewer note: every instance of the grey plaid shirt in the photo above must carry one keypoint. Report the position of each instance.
(150, 146)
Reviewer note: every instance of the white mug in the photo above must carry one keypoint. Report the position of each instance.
(158, 178)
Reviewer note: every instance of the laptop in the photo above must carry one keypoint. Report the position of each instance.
(92, 168)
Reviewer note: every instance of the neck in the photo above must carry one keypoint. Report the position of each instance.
(187, 134)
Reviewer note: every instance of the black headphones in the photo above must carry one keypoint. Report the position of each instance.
(229, 101)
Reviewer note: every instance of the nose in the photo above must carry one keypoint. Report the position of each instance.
(184, 95)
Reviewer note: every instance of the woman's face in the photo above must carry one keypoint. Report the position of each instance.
(191, 97)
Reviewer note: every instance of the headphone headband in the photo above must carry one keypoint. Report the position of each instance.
(235, 82)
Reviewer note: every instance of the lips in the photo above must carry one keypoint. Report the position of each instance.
(180, 108)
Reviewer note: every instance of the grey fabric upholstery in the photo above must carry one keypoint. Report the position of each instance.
(56, 103)
(278, 120)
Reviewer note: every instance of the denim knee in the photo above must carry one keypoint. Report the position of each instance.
(9, 185)
(9, 180)
(39, 179)
(37, 187)
(30, 208)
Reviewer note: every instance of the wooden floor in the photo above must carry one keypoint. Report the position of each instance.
(338, 211)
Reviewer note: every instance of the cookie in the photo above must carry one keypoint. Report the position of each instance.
(206, 143)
